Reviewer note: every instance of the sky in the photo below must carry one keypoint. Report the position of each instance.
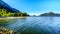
(35, 7)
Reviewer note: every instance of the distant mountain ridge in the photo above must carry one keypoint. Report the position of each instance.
(50, 14)
(7, 7)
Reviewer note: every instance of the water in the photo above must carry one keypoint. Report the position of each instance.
(34, 25)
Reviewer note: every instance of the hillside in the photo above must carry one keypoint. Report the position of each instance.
(7, 7)
(6, 10)
(50, 14)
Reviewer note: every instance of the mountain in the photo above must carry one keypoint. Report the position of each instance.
(7, 7)
(50, 14)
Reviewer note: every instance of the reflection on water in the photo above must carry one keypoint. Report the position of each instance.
(34, 25)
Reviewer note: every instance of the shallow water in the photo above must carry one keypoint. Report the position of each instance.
(34, 25)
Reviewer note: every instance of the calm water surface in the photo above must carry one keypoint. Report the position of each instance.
(34, 25)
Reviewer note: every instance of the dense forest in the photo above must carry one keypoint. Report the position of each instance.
(5, 13)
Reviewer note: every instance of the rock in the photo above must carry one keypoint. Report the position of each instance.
(6, 31)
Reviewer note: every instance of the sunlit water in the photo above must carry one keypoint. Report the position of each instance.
(35, 25)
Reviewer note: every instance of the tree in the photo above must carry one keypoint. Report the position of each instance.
(3, 12)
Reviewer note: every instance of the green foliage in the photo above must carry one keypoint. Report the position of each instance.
(5, 13)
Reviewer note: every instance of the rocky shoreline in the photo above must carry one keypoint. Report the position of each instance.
(6, 31)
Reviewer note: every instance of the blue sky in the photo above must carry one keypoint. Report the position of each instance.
(35, 6)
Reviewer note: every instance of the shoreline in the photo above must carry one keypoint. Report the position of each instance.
(11, 17)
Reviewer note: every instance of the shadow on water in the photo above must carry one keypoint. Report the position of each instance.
(3, 22)
(16, 23)
(7, 21)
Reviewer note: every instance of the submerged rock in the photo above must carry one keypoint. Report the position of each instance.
(6, 31)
